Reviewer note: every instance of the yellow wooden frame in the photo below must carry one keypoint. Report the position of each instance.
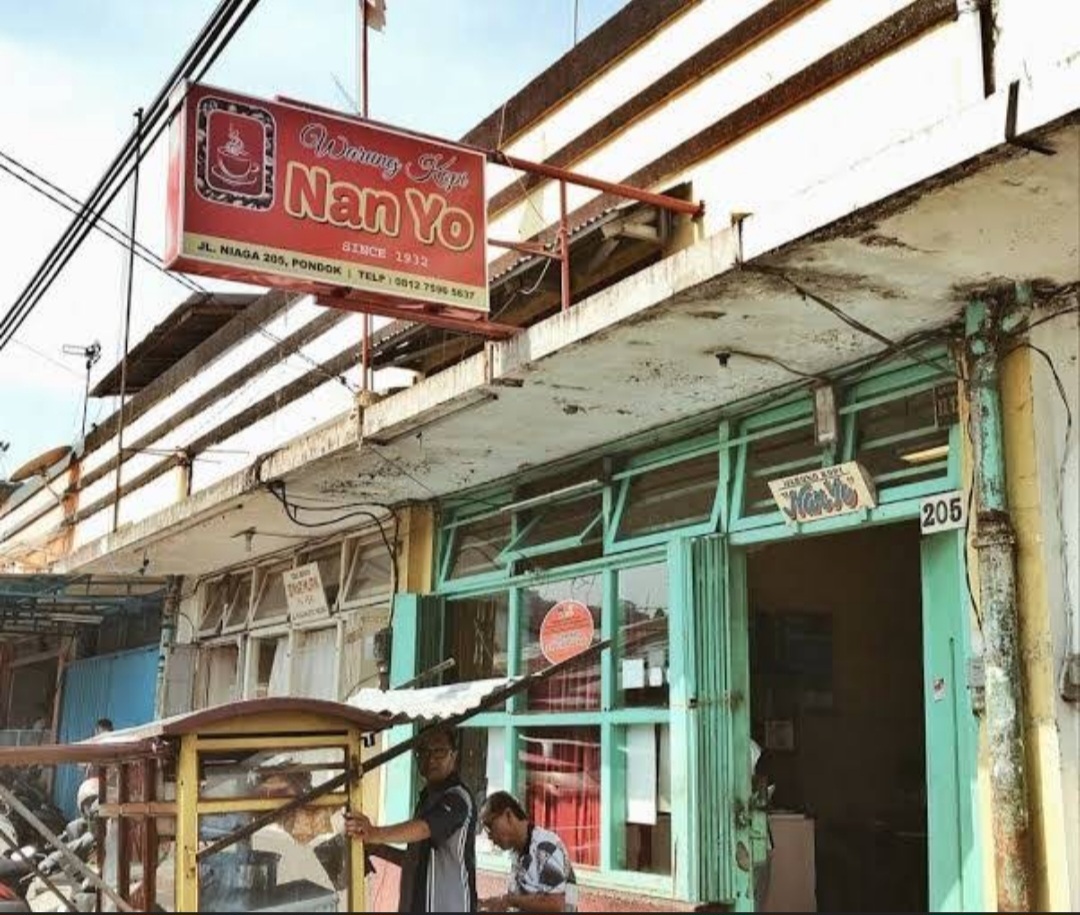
(292, 730)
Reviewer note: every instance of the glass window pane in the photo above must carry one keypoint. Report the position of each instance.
(272, 601)
(773, 456)
(646, 752)
(266, 773)
(238, 600)
(369, 573)
(561, 772)
(642, 672)
(476, 637)
(214, 604)
(579, 687)
(315, 664)
(673, 496)
(477, 545)
(276, 870)
(576, 519)
(902, 435)
(328, 559)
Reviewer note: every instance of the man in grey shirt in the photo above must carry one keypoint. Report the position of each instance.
(438, 868)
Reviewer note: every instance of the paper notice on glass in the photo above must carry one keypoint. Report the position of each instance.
(496, 759)
(663, 803)
(641, 774)
(656, 676)
(633, 673)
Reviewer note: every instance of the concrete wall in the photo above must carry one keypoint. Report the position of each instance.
(1042, 492)
(1059, 533)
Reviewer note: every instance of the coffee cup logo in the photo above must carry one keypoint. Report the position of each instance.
(235, 159)
(234, 164)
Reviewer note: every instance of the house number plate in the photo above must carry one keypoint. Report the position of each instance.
(944, 512)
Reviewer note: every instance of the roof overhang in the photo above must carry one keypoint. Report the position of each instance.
(904, 239)
(52, 604)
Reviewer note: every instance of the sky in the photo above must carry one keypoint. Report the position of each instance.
(72, 75)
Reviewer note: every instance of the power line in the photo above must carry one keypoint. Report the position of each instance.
(207, 46)
(113, 232)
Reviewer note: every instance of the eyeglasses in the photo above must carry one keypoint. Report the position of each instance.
(432, 752)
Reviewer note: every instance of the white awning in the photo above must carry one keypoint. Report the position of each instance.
(430, 704)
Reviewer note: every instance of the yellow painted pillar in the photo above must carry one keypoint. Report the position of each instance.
(1043, 750)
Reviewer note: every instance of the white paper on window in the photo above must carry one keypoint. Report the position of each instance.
(641, 774)
(279, 671)
(663, 802)
(496, 760)
(316, 664)
(221, 675)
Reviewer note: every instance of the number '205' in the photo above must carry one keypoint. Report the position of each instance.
(942, 512)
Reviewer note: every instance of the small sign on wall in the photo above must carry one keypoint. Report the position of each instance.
(823, 493)
(944, 512)
(304, 593)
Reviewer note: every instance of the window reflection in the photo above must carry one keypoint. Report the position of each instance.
(562, 786)
(579, 687)
(642, 671)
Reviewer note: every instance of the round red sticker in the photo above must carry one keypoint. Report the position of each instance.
(567, 630)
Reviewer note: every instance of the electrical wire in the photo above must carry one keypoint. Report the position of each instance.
(850, 321)
(113, 232)
(206, 48)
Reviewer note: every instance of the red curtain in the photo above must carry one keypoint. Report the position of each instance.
(562, 776)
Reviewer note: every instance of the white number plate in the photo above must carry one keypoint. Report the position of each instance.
(945, 512)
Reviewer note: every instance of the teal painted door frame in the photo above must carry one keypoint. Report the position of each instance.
(955, 861)
(955, 864)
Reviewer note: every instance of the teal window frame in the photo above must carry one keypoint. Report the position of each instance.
(610, 718)
(730, 439)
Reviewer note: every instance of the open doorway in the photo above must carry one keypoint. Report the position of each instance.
(837, 707)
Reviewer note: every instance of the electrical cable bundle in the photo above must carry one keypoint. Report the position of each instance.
(204, 50)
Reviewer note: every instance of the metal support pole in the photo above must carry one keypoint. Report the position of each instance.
(170, 612)
(56, 842)
(564, 246)
(127, 319)
(995, 544)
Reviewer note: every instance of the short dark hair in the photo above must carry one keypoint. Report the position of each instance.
(498, 803)
(436, 730)
(104, 724)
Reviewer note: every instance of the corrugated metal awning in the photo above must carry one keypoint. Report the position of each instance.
(434, 703)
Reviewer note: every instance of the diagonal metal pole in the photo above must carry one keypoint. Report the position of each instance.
(498, 697)
(56, 842)
(52, 887)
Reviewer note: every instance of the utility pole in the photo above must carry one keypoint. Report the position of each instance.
(91, 354)
(988, 326)
(127, 318)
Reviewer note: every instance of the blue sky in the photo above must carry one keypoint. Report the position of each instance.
(73, 73)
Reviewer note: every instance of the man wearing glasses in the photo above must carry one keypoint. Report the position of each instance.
(541, 876)
(438, 868)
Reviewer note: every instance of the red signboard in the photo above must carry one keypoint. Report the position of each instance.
(567, 630)
(277, 194)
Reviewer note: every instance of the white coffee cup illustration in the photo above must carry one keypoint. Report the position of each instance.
(234, 165)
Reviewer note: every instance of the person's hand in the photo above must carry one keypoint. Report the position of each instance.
(358, 826)
(494, 904)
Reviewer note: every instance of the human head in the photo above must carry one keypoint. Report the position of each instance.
(86, 799)
(504, 820)
(103, 726)
(436, 754)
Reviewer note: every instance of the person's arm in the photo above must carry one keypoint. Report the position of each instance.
(389, 853)
(407, 832)
(360, 827)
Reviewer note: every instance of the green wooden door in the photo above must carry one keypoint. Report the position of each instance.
(955, 872)
(710, 726)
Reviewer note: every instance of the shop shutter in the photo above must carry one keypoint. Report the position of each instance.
(716, 724)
